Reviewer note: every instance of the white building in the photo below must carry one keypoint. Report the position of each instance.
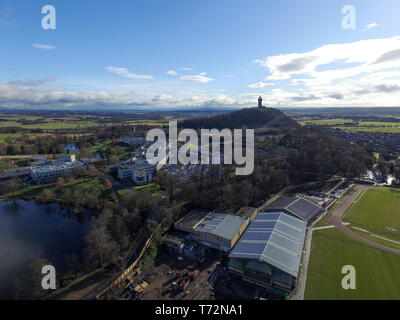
(47, 173)
(67, 158)
(140, 171)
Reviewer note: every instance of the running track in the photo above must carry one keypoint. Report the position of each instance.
(335, 219)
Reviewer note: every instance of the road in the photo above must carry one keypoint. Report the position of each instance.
(335, 219)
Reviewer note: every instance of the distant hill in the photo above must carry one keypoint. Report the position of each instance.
(250, 118)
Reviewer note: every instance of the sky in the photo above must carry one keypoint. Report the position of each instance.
(184, 54)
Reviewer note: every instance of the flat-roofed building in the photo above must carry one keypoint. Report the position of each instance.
(133, 141)
(304, 208)
(269, 252)
(140, 171)
(48, 173)
(215, 229)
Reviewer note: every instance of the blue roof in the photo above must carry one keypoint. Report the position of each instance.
(301, 207)
(276, 238)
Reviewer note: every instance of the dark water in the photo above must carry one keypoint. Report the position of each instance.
(30, 230)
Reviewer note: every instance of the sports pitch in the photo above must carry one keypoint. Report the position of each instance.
(378, 211)
(377, 271)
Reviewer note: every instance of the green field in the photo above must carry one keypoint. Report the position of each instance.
(370, 129)
(350, 125)
(330, 122)
(377, 271)
(376, 209)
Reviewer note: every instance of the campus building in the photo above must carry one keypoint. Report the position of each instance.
(218, 230)
(47, 173)
(139, 171)
(269, 252)
(133, 141)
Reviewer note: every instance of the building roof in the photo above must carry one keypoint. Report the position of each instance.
(192, 219)
(71, 147)
(221, 224)
(55, 166)
(301, 207)
(276, 238)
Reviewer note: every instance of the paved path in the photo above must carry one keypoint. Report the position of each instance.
(336, 215)
(302, 278)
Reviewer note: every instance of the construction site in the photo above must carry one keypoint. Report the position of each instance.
(175, 277)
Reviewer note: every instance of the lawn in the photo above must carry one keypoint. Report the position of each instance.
(152, 187)
(377, 271)
(77, 185)
(376, 209)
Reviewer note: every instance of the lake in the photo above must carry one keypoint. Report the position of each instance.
(30, 230)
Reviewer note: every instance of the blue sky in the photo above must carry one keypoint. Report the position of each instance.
(182, 54)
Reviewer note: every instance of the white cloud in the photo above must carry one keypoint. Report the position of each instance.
(361, 73)
(258, 85)
(201, 78)
(125, 73)
(186, 69)
(353, 59)
(172, 73)
(43, 46)
(370, 26)
(41, 94)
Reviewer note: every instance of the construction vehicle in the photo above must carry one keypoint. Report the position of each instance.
(140, 288)
(192, 267)
(173, 287)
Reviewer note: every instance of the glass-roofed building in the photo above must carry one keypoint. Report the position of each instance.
(269, 252)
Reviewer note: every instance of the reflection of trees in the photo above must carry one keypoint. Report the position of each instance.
(49, 209)
(13, 208)
(22, 290)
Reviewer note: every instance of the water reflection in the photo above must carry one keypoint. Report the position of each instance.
(30, 230)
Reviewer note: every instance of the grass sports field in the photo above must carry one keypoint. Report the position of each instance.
(375, 210)
(377, 271)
